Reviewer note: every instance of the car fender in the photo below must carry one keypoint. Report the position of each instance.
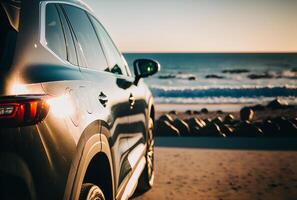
(88, 147)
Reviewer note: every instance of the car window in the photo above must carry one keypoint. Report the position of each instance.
(53, 32)
(88, 41)
(7, 40)
(116, 63)
(71, 51)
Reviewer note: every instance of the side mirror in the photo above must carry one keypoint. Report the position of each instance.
(144, 68)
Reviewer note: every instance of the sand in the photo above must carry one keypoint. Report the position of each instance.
(224, 168)
(192, 173)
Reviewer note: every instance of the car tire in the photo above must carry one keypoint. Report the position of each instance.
(146, 179)
(90, 191)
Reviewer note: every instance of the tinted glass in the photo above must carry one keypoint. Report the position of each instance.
(87, 38)
(3, 30)
(71, 51)
(54, 33)
(7, 40)
(115, 61)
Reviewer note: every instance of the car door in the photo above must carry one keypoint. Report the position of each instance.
(137, 102)
(109, 96)
(124, 80)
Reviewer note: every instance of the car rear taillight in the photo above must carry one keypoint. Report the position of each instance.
(22, 110)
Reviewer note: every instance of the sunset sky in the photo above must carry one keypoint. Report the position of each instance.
(200, 25)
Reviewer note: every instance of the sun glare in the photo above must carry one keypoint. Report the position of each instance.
(18, 89)
(61, 106)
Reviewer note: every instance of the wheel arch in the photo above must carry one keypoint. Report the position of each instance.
(99, 173)
(151, 108)
(90, 152)
(151, 111)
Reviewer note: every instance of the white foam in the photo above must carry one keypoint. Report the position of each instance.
(222, 100)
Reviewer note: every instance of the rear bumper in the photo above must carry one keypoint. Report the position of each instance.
(15, 177)
(34, 161)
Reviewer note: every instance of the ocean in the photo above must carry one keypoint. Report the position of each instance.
(216, 78)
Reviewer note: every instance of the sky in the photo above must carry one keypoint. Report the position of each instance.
(200, 25)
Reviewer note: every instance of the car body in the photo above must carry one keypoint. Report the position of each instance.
(71, 113)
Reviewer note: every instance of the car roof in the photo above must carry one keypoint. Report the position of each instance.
(12, 10)
(74, 2)
(13, 7)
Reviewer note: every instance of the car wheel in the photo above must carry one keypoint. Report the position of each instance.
(146, 179)
(90, 191)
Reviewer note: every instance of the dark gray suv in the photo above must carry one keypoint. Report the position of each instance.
(74, 122)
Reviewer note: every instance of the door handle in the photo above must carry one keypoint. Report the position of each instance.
(103, 99)
(131, 100)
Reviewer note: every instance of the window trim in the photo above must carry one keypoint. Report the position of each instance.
(80, 53)
(44, 42)
(62, 12)
(42, 27)
(42, 38)
(63, 31)
(128, 73)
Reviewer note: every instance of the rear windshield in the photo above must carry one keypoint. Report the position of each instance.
(7, 40)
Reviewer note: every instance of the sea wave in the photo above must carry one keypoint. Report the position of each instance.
(222, 100)
(223, 91)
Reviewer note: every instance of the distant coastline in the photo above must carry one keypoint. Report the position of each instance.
(212, 78)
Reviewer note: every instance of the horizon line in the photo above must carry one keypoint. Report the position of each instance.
(209, 52)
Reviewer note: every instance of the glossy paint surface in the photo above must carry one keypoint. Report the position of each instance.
(82, 101)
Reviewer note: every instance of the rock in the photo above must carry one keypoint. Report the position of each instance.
(229, 119)
(164, 128)
(167, 76)
(192, 78)
(173, 112)
(268, 128)
(189, 112)
(227, 130)
(246, 114)
(246, 129)
(207, 121)
(277, 104)
(260, 76)
(212, 130)
(167, 118)
(195, 125)
(182, 127)
(223, 128)
(286, 127)
(235, 71)
(201, 122)
(220, 112)
(214, 76)
(258, 107)
(217, 120)
(294, 121)
(195, 112)
(204, 110)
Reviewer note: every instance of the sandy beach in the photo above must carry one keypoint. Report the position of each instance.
(240, 168)
(193, 173)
